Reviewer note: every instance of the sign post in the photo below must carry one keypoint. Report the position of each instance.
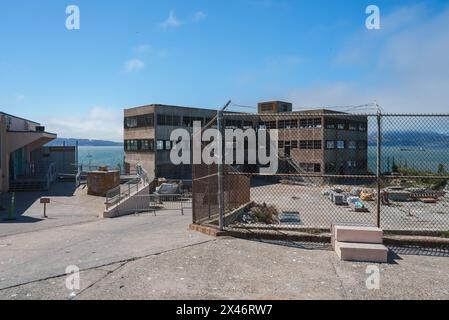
(44, 201)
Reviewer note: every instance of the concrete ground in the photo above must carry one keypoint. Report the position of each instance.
(69, 205)
(156, 257)
(238, 269)
(316, 210)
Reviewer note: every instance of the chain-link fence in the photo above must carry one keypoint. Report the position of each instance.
(389, 170)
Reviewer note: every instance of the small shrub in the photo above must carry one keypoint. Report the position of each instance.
(265, 214)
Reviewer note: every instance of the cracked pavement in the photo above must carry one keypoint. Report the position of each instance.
(156, 257)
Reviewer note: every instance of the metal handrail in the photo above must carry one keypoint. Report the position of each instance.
(123, 192)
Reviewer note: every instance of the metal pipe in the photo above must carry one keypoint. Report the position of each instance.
(220, 172)
(379, 166)
(221, 204)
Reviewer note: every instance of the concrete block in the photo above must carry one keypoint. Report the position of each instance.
(361, 252)
(339, 199)
(358, 234)
(99, 182)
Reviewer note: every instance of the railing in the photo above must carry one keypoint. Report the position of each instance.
(152, 203)
(124, 191)
(51, 174)
(86, 167)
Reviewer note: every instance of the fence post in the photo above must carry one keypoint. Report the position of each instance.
(379, 166)
(220, 171)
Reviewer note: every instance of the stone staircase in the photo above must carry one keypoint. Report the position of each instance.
(28, 185)
(359, 243)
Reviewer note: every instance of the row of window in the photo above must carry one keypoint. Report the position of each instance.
(330, 144)
(340, 124)
(303, 144)
(141, 121)
(143, 145)
(168, 120)
(310, 123)
(341, 144)
(351, 164)
(148, 145)
(310, 167)
(187, 121)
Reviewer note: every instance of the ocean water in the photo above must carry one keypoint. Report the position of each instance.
(93, 157)
(428, 159)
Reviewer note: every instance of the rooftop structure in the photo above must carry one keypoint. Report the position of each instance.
(18, 138)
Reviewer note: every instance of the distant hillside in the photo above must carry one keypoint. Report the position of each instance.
(83, 143)
(412, 139)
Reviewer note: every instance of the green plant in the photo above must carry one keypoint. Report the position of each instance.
(426, 182)
(265, 214)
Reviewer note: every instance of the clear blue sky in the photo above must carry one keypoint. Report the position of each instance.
(129, 53)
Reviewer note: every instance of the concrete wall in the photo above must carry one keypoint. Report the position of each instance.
(64, 157)
(129, 205)
(145, 159)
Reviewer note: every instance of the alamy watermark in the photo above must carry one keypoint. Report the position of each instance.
(373, 20)
(73, 280)
(373, 280)
(240, 147)
(73, 21)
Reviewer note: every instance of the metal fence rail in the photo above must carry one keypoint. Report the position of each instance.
(124, 191)
(390, 170)
(168, 203)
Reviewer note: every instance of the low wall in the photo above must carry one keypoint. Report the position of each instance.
(127, 206)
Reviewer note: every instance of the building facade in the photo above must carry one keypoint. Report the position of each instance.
(318, 141)
(18, 138)
(147, 133)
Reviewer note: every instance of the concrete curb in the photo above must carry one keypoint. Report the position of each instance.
(389, 240)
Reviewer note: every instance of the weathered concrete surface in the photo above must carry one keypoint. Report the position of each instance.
(316, 210)
(229, 268)
(156, 257)
(68, 206)
(46, 253)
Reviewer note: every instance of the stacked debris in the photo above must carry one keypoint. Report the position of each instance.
(168, 189)
(352, 198)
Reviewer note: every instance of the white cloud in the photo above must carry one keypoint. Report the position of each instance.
(327, 95)
(20, 97)
(171, 21)
(404, 65)
(283, 61)
(143, 48)
(200, 15)
(134, 65)
(100, 124)
(268, 69)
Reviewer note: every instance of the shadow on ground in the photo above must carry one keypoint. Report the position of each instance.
(394, 254)
(420, 251)
(24, 200)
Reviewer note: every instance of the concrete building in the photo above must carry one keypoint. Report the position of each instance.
(274, 107)
(318, 141)
(323, 141)
(18, 138)
(147, 133)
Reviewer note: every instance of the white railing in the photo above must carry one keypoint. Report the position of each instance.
(124, 191)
